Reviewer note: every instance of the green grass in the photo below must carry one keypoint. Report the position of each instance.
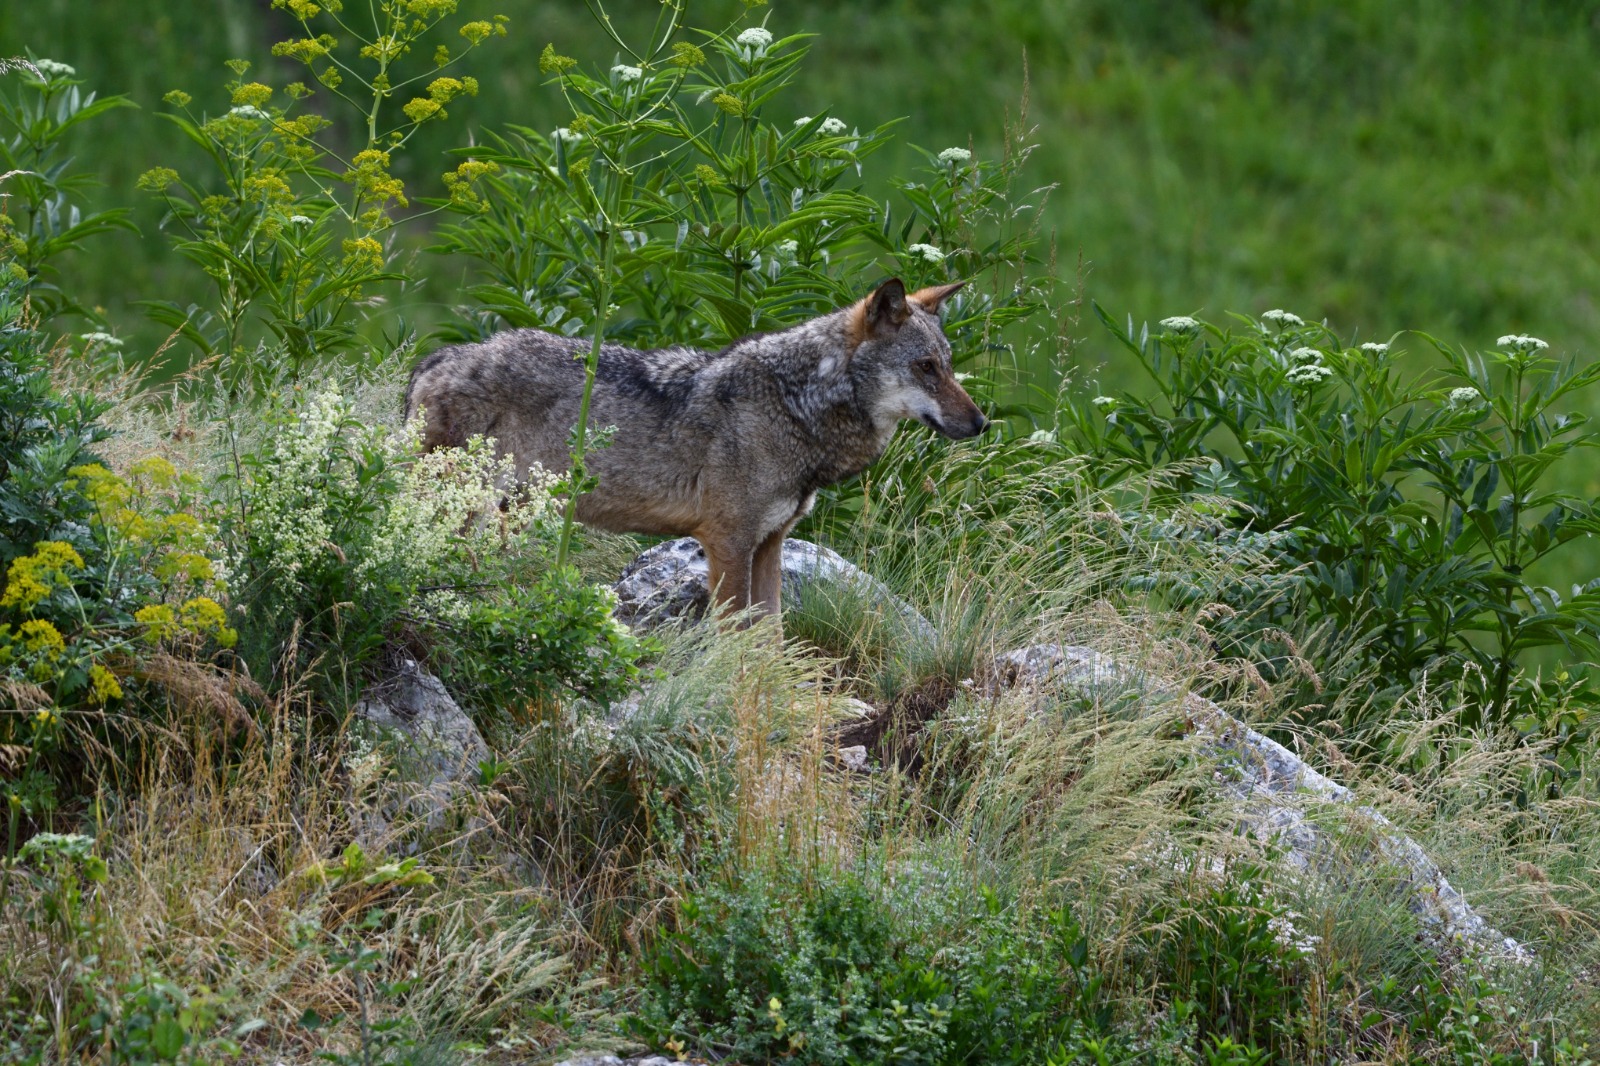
(1427, 168)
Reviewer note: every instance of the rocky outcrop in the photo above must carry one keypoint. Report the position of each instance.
(669, 581)
(1274, 787)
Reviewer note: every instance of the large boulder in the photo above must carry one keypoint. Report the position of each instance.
(670, 581)
(1275, 788)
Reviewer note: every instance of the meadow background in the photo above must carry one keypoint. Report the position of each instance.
(1433, 165)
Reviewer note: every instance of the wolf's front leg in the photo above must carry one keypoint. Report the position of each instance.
(729, 573)
(766, 573)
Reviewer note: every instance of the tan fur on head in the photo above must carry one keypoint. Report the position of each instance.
(855, 328)
(931, 297)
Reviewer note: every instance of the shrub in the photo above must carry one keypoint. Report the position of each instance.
(1410, 513)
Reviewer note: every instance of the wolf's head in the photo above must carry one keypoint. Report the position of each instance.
(903, 360)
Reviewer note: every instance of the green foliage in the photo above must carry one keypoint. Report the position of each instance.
(42, 214)
(1410, 514)
(835, 968)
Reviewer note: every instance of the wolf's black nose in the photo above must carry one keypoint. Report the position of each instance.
(979, 424)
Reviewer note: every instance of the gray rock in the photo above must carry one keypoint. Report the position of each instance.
(1273, 786)
(853, 758)
(669, 581)
(439, 746)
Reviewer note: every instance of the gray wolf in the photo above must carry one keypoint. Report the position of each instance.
(729, 447)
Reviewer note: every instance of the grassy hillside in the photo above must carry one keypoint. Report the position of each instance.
(1432, 166)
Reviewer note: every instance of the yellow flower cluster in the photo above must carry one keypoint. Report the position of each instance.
(306, 49)
(729, 103)
(430, 9)
(157, 179)
(252, 94)
(478, 32)
(103, 684)
(178, 98)
(685, 54)
(305, 10)
(551, 63)
(370, 175)
(462, 180)
(201, 616)
(363, 253)
(33, 577)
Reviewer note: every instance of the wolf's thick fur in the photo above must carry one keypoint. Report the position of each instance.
(728, 447)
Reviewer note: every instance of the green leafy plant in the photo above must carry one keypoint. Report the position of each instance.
(1412, 514)
(41, 211)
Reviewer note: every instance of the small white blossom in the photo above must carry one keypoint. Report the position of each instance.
(832, 127)
(1306, 355)
(1465, 396)
(625, 73)
(248, 111)
(1282, 318)
(787, 250)
(1288, 936)
(1044, 436)
(1375, 348)
(1522, 343)
(753, 43)
(801, 121)
(565, 135)
(955, 155)
(299, 220)
(927, 252)
(1180, 324)
(1104, 401)
(1308, 374)
(52, 69)
(101, 338)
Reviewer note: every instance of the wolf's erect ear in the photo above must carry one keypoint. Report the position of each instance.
(887, 308)
(930, 298)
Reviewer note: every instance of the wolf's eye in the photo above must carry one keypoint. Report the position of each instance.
(927, 366)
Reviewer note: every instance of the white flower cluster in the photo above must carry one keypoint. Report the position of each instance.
(753, 43)
(1519, 342)
(1306, 355)
(286, 510)
(801, 121)
(565, 135)
(52, 69)
(786, 251)
(250, 112)
(832, 127)
(100, 338)
(1282, 319)
(1464, 396)
(299, 220)
(1288, 935)
(625, 73)
(955, 155)
(1104, 401)
(1375, 348)
(1180, 324)
(927, 252)
(1308, 374)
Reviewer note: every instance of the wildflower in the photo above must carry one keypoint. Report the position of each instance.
(52, 69)
(955, 155)
(1464, 396)
(421, 109)
(1521, 343)
(729, 103)
(253, 94)
(707, 174)
(249, 111)
(566, 135)
(1043, 436)
(1282, 318)
(801, 121)
(45, 719)
(478, 32)
(177, 98)
(157, 179)
(299, 220)
(551, 63)
(1375, 348)
(363, 253)
(753, 43)
(685, 54)
(624, 73)
(1308, 374)
(370, 175)
(203, 615)
(103, 684)
(32, 577)
(1306, 355)
(1104, 401)
(927, 253)
(100, 338)
(787, 250)
(832, 127)
(41, 637)
(1180, 324)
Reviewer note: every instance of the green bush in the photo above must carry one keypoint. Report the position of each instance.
(1411, 515)
(850, 967)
